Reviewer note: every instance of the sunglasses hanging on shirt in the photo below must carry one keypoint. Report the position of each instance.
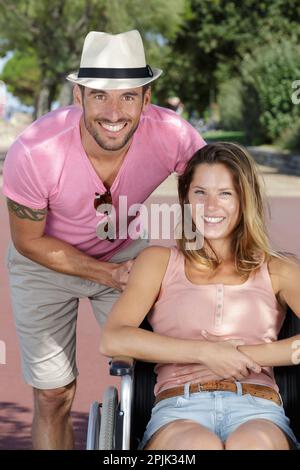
(103, 205)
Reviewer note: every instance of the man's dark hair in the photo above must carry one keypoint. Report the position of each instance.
(81, 89)
(145, 88)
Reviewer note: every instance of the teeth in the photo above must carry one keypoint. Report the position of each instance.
(213, 220)
(113, 128)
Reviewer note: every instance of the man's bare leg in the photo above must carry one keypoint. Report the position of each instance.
(52, 426)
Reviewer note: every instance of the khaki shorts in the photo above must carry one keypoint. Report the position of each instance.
(45, 305)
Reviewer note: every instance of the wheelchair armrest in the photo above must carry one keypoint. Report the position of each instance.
(120, 366)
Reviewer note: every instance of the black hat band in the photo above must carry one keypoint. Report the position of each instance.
(95, 72)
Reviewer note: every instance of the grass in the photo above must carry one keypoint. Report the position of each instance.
(224, 136)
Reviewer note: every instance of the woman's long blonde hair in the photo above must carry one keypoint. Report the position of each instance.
(250, 241)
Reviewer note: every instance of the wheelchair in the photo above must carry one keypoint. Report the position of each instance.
(119, 424)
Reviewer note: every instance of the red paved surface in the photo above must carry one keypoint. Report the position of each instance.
(15, 396)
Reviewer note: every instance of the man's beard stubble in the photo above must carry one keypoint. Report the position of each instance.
(102, 144)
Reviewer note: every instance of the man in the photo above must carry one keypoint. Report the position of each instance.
(59, 176)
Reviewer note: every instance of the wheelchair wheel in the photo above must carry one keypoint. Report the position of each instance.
(108, 419)
(94, 424)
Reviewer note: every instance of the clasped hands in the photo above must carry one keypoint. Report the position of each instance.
(221, 360)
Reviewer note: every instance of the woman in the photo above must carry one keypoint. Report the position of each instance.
(216, 316)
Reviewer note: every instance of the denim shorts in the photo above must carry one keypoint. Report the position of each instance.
(220, 412)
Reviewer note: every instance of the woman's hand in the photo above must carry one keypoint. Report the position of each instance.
(223, 359)
(200, 373)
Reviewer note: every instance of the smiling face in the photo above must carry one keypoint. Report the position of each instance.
(213, 187)
(112, 116)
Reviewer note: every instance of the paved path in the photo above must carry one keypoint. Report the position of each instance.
(16, 397)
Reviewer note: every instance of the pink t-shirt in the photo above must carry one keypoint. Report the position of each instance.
(249, 311)
(48, 167)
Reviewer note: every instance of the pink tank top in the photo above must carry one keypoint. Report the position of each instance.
(248, 311)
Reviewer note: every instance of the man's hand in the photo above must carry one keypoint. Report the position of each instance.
(120, 274)
(27, 231)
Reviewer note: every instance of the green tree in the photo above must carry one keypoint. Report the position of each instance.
(54, 32)
(267, 77)
(214, 38)
(230, 103)
(22, 76)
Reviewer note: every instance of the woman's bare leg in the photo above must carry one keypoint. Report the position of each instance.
(258, 434)
(184, 435)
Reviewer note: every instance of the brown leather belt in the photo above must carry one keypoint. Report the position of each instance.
(260, 391)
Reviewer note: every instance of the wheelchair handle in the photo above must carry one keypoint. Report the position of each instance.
(120, 366)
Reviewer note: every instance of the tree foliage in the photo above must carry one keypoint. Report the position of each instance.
(216, 35)
(55, 31)
(202, 46)
(22, 75)
(267, 76)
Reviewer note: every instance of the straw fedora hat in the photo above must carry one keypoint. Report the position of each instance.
(113, 61)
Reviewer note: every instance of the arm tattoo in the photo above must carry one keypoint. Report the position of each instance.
(23, 212)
